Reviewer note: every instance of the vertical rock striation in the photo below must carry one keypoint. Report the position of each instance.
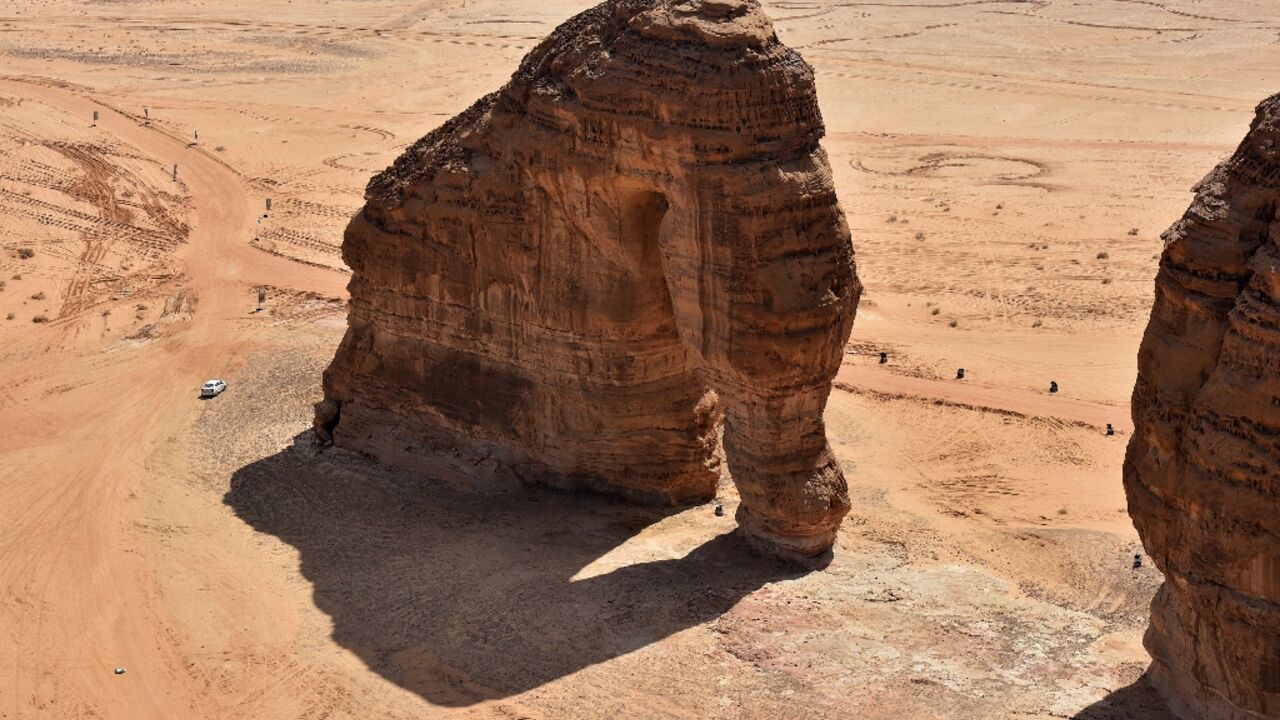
(577, 279)
(1203, 469)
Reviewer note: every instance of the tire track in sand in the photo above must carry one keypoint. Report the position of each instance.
(984, 398)
(77, 581)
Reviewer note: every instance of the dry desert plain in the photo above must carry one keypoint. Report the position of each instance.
(1007, 167)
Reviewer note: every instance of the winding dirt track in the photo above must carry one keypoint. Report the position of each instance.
(80, 598)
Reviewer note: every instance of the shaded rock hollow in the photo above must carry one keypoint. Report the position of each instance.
(1203, 468)
(580, 279)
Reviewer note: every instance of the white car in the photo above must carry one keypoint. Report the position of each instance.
(213, 388)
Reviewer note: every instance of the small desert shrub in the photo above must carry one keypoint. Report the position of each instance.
(953, 323)
(140, 307)
(10, 316)
(26, 253)
(1133, 231)
(41, 318)
(38, 296)
(919, 236)
(106, 312)
(936, 311)
(1037, 323)
(1106, 281)
(220, 148)
(1104, 255)
(892, 219)
(16, 277)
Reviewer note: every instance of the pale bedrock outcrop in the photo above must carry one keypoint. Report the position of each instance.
(1203, 468)
(575, 281)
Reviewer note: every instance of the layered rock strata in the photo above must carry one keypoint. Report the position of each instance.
(1203, 468)
(575, 281)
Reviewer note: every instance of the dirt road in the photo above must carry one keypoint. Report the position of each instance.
(967, 394)
(82, 597)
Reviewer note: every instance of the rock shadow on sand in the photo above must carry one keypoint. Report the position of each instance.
(1138, 701)
(462, 597)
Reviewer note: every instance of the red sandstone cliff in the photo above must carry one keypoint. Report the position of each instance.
(576, 279)
(1203, 468)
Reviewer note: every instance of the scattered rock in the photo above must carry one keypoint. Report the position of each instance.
(881, 595)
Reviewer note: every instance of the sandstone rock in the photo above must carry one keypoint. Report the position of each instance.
(1203, 469)
(577, 279)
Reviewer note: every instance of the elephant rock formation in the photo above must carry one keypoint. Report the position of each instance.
(580, 279)
(1202, 471)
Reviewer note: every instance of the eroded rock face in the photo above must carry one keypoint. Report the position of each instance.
(574, 281)
(1203, 469)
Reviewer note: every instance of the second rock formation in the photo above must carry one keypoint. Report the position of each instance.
(1203, 469)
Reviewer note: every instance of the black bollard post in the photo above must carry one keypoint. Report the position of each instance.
(884, 358)
(960, 374)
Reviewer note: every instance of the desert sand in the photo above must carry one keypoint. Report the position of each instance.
(1006, 168)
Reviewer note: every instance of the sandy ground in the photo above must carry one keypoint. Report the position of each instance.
(1006, 165)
